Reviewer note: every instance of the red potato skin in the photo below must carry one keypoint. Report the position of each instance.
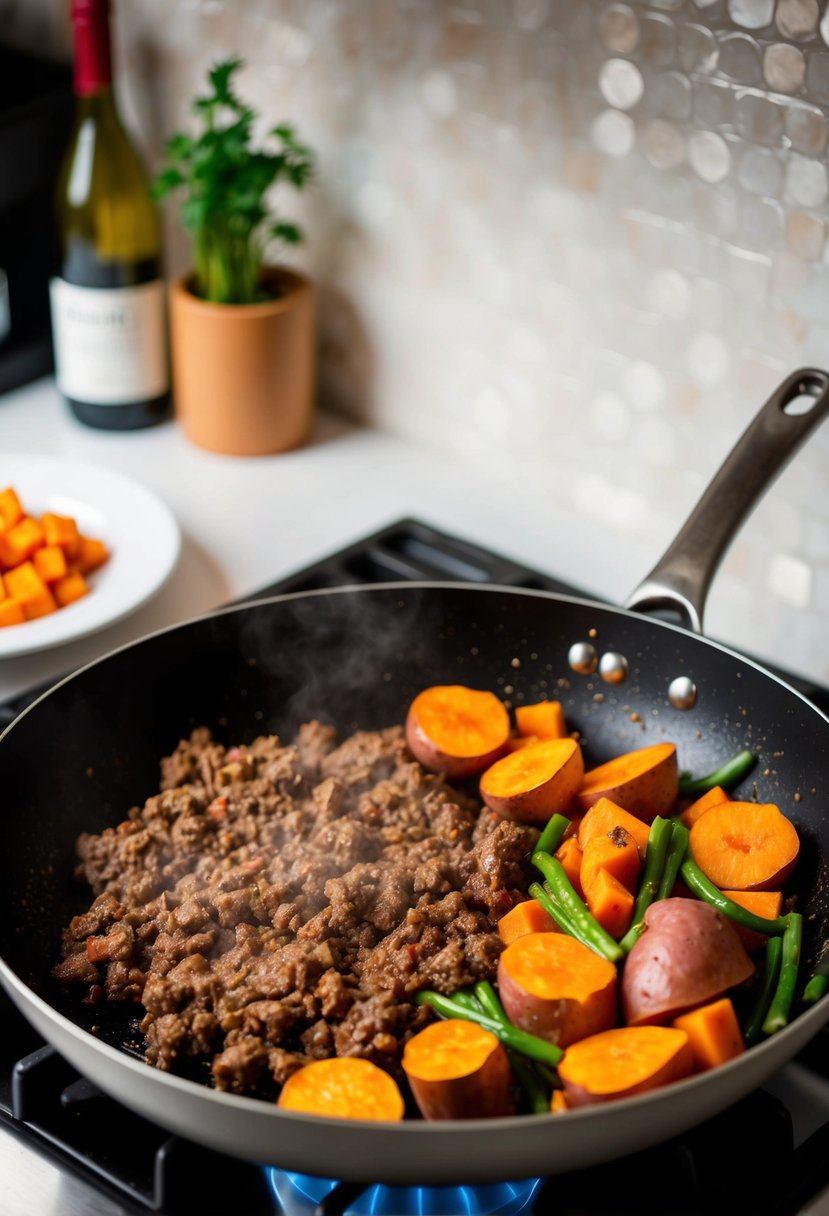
(483, 1094)
(652, 793)
(437, 761)
(688, 955)
(561, 1021)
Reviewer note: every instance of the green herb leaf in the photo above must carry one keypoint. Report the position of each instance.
(225, 185)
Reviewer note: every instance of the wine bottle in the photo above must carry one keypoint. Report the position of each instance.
(108, 301)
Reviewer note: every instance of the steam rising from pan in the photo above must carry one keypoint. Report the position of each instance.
(372, 639)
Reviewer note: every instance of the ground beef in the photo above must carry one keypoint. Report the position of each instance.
(275, 904)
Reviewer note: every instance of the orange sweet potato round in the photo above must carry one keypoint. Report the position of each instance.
(688, 954)
(644, 782)
(622, 1062)
(745, 846)
(535, 782)
(458, 1070)
(456, 730)
(556, 988)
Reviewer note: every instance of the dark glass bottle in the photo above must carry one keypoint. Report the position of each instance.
(108, 301)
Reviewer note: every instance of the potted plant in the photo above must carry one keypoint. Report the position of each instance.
(242, 328)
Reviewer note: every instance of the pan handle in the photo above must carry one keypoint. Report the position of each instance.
(681, 578)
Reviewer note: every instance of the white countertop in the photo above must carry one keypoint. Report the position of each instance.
(248, 521)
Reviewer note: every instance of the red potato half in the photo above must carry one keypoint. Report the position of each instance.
(535, 782)
(688, 955)
(623, 1062)
(456, 730)
(644, 782)
(556, 988)
(458, 1070)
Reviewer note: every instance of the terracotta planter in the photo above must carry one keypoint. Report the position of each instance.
(243, 374)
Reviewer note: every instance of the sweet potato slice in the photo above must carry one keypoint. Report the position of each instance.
(534, 783)
(556, 988)
(611, 903)
(11, 509)
(19, 542)
(526, 917)
(71, 587)
(92, 553)
(456, 730)
(697, 809)
(50, 563)
(644, 782)
(25, 585)
(688, 955)
(458, 1070)
(615, 852)
(61, 530)
(745, 846)
(623, 1062)
(713, 1033)
(344, 1087)
(11, 612)
(570, 854)
(545, 720)
(604, 816)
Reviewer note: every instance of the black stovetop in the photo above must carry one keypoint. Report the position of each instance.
(746, 1162)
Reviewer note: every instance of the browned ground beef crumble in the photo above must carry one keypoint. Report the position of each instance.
(277, 904)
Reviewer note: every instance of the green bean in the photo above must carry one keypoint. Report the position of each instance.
(584, 925)
(532, 1084)
(468, 999)
(753, 1028)
(818, 984)
(728, 775)
(659, 840)
(675, 855)
(487, 998)
(519, 1040)
(778, 1014)
(702, 887)
(550, 906)
(553, 834)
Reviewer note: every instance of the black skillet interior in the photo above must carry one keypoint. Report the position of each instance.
(88, 751)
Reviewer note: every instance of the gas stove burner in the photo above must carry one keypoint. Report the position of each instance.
(302, 1195)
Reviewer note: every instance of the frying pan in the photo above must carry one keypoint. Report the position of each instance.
(89, 749)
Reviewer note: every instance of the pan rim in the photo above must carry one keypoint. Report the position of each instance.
(420, 585)
(811, 1019)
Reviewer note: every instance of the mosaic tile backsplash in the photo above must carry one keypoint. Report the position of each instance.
(574, 242)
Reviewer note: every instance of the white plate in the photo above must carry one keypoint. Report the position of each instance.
(140, 532)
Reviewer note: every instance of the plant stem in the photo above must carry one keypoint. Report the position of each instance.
(728, 775)
(659, 839)
(778, 1014)
(583, 924)
(702, 887)
(771, 969)
(519, 1040)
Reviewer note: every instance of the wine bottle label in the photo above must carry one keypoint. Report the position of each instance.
(110, 343)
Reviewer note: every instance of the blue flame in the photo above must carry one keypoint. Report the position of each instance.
(299, 1195)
